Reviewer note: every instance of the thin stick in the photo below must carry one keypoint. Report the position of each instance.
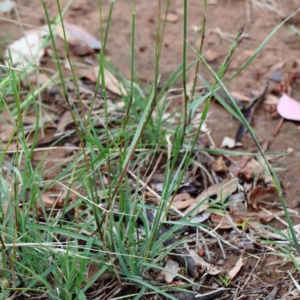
(276, 131)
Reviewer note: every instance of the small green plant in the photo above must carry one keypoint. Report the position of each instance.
(243, 224)
(225, 280)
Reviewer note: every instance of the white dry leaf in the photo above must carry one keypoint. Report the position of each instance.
(28, 49)
(228, 142)
(171, 270)
(7, 6)
(201, 218)
(112, 83)
(200, 262)
(169, 139)
(75, 34)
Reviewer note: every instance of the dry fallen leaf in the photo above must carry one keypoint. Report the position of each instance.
(211, 55)
(249, 52)
(201, 263)
(64, 120)
(86, 73)
(6, 131)
(201, 217)
(240, 96)
(288, 108)
(28, 49)
(239, 264)
(258, 192)
(219, 165)
(81, 49)
(271, 100)
(172, 17)
(245, 165)
(111, 82)
(182, 200)
(76, 34)
(222, 189)
(228, 142)
(170, 270)
(277, 66)
(251, 217)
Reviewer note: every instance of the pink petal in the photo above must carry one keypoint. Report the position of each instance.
(288, 108)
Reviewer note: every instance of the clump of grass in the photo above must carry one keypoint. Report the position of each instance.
(45, 254)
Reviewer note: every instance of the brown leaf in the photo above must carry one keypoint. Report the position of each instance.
(86, 73)
(182, 200)
(92, 271)
(239, 264)
(223, 223)
(221, 189)
(240, 96)
(251, 218)
(249, 52)
(246, 165)
(65, 119)
(258, 192)
(81, 49)
(47, 201)
(211, 55)
(111, 82)
(172, 17)
(219, 165)
(6, 131)
(35, 80)
(277, 66)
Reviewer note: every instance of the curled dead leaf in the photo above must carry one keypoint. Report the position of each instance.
(219, 165)
(182, 200)
(258, 192)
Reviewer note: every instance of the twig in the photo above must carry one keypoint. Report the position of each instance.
(222, 249)
(276, 131)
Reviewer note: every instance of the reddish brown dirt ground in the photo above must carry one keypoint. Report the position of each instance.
(229, 16)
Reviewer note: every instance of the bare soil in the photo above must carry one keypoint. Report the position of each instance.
(229, 16)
